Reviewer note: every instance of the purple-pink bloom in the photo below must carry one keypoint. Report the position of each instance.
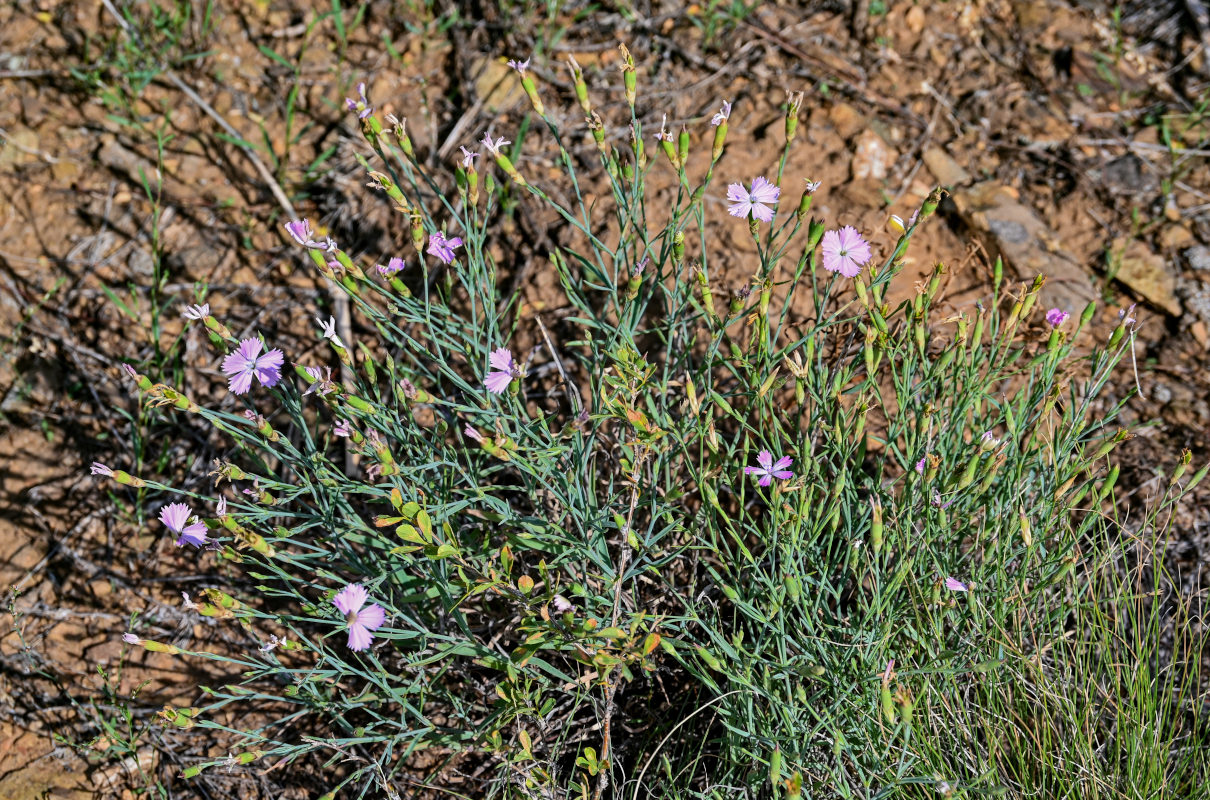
(341, 428)
(360, 618)
(955, 585)
(770, 469)
(844, 251)
(1056, 317)
(197, 312)
(468, 158)
(300, 229)
(393, 265)
(493, 145)
(245, 362)
(323, 383)
(722, 116)
(130, 638)
(175, 517)
(98, 468)
(442, 247)
(505, 369)
(361, 102)
(520, 66)
(920, 464)
(562, 604)
(756, 201)
(471, 433)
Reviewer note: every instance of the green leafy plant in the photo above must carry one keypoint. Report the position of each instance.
(801, 539)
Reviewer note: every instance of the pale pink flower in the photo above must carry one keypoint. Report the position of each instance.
(175, 517)
(493, 145)
(196, 312)
(505, 369)
(245, 363)
(468, 158)
(722, 116)
(955, 585)
(769, 469)
(756, 201)
(98, 468)
(360, 618)
(443, 247)
(844, 251)
(1056, 317)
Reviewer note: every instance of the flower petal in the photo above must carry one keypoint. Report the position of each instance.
(501, 359)
(359, 638)
(497, 382)
(175, 515)
(765, 459)
(350, 599)
(372, 617)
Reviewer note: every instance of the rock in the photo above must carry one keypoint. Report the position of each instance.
(496, 83)
(1014, 232)
(1127, 175)
(1173, 237)
(1198, 258)
(1197, 300)
(914, 19)
(872, 158)
(1146, 275)
(846, 120)
(946, 170)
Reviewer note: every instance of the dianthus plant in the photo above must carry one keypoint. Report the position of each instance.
(642, 539)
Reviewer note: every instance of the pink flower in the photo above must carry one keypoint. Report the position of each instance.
(175, 517)
(468, 158)
(768, 469)
(362, 102)
(471, 433)
(393, 265)
(1056, 317)
(197, 312)
(722, 116)
(341, 428)
(506, 368)
(755, 201)
(562, 604)
(443, 248)
(98, 468)
(955, 585)
(130, 638)
(350, 601)
(493, 145)
(920, 464)
(844, 251)
(241, 365)
(520, 66)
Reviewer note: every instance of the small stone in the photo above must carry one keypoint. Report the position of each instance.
(1175, 236)
(1146, 274)
(1198, 258)
(914, 19)
(1029, 247)
(945, 169)
(872, 158)
(846, 120)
